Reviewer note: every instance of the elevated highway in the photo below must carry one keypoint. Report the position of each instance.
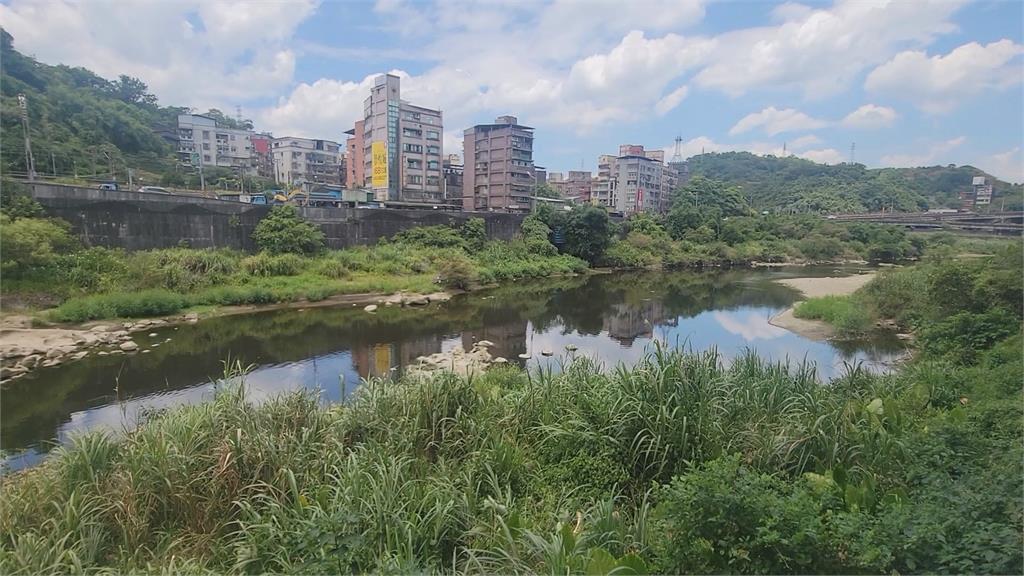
(1001, 223)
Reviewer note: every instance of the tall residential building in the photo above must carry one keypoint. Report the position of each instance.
(453, 171)
(302, 160)
(499, 172)
(408, 140)
(635, 180)
(355, 166)
(979, 194)
(202, 141)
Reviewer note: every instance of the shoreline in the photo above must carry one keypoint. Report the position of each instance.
(815, 288)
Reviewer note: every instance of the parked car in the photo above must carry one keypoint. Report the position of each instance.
(107, 186)
(154, 190)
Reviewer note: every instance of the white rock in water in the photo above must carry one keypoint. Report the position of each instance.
(129, 346)
(146, 351)
(370, 308)
(500, 360)
(546, 353)
(484, 343)
(152, 334)
(525, 356)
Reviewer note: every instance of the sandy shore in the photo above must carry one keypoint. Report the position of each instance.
(816, 288)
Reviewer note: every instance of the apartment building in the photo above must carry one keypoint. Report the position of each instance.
(263, 155)
(499, 172)
(402, 147)
(302, 160)
(635, 180)
(202, 141)
(577, 186)
(355, 173)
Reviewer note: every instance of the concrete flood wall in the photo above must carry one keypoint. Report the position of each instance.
(140, 221)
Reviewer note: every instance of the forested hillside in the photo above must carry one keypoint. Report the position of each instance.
(80, 119)
(799, 185)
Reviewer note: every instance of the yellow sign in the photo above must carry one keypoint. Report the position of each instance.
(379, 156)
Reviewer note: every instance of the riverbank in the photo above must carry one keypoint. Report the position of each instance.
(817, 288)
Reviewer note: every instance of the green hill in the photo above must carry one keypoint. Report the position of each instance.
(77, 119)
(799, 185)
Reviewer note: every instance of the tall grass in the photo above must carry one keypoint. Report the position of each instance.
(847, 313)
(501, 472)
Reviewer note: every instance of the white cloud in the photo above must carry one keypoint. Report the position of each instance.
(870, 116)
(189, 52)
(933, 154)
(671, 100)
(820, 52)
(1008, 165)
(323, 109)
(798, 147)
(938, 83)
(773, 121)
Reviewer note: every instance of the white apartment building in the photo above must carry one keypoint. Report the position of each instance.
(305, 160)
(202, 141)
(636, 180)
(413, 137)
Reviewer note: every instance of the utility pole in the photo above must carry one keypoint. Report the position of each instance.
(110, 164)
(53, 164)
(30, 163)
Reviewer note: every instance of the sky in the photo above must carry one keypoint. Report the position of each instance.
(901, 82)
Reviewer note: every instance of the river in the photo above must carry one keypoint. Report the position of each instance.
(614, 317)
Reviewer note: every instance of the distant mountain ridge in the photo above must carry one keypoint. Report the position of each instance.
(800, 185)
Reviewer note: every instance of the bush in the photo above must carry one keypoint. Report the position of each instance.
(283, 231)
(474, 232)
(626, 254)
(264, 264)
(186, 269)
(436, 236)
(332, 268)
(727, 518)
(457, 272)
(536, 236)
(30, 244)
(155, 302)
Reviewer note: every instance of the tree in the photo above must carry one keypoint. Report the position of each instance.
(227, 121)
(474, 232)
(284, 231)
(546, 191)
(587, 232)
(131, 90)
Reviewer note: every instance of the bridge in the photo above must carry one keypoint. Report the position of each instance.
(1000, 223)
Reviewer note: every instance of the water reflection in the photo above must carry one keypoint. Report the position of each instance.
(612, 317)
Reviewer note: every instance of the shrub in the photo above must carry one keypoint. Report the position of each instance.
(30, 244)
(474, 232)
(626, 254)
(457, 272)
(727, 518)
(93, 268)
(436, 236)
(284, 231)
(264, 264)
(587, 232)
(332, 268)
(184, 269)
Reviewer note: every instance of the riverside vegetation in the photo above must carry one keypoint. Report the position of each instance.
(675, 465)
(43, 265)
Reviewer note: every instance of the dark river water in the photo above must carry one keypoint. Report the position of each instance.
(614, 317)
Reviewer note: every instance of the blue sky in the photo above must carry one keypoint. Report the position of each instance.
(911, 82)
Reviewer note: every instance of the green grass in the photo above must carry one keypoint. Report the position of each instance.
(98, 283)
(846, 313)
(575, 472)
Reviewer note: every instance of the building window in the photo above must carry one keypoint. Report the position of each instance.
(414, 163)
(413, 179)
(417, 148)
(434, 150)
(433, 181)
(433, 135)
(412, 132)
(206, 145)
(206, 134)
(433, 165)
(206, 157)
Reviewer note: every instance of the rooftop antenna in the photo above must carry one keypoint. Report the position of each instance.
(678, 155)
(238, 113)
(853, 152)
(783, 149)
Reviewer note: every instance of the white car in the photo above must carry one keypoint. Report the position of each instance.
(154, 190)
